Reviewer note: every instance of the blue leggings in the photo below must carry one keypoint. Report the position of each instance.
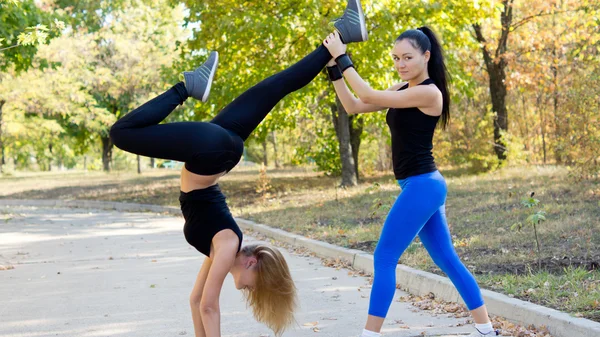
(420, 209)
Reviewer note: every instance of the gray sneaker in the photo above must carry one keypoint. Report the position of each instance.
(351, 25)
(198, 82)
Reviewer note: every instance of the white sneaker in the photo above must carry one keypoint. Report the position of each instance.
(477, 333)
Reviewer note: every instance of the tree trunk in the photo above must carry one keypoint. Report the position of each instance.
(357, 125)
(139, 164)
(342, 125)
(85, 163)
(265, 159)
(274, 141)
(542, 126)
(152, 163)
(496, 68)
(498, 92)
(523, 124)
(558, 144)
(50, 160)
(1, 142)
(107, 146)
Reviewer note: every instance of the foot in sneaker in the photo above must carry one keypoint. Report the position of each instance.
(351, 25)
(198, 82)
(478, 333)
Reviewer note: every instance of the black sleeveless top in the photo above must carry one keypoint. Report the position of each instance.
(206, 213)
(412, 139)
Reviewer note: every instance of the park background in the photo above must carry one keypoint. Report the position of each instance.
(521, 153)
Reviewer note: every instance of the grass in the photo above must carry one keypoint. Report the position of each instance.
(576, 290)
(481, 210)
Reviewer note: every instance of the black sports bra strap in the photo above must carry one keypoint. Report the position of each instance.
(426, 82)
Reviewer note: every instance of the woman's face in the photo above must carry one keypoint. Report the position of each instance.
(408, 60)
(244, 272)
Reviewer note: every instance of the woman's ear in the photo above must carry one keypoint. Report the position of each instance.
(250, 262)
(427, 55)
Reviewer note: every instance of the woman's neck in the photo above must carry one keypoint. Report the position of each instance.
(419, 79)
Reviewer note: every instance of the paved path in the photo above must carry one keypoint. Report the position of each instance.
(94, 273)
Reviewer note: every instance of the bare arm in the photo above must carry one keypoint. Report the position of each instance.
(353, 105)
(196, 298)
(222, 261)
(426, 97)
(422, 96)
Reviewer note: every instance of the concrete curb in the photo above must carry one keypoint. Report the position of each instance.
(104, 205)
(417, 282)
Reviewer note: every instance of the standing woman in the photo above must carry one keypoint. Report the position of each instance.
(209, 151)
(415, 107)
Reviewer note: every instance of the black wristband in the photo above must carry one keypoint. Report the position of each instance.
(344, 62)
(334, 73)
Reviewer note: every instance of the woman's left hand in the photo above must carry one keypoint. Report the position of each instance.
(334, 44)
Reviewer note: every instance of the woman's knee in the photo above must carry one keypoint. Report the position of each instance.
(117, 133)
(195, 300)
(114, 133)
(447, 261)
(384, 260)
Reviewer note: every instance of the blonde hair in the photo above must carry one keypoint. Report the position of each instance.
(273, 299)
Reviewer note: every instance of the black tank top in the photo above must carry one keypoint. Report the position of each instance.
(412, 139)
(206, 213)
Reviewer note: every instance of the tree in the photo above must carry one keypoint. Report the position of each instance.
(23, 27)
(97, 77)
(49, 110)
(342, 124)
(496, 68)
(132, 50)
(2, 162)
(259, 38)
(499, 54)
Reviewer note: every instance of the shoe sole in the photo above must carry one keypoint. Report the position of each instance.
(361, 20)
(361, 15)
(210, 79)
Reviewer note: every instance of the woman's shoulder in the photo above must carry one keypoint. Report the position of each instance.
(397, 86)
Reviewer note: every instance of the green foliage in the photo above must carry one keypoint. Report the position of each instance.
(24, 26)
(91, 15)
(257, 39)
(322, 151)
(530, 201)
(92, 79)
(574, 290)
(466, 142)
(533, 220)
(382, 205)
(536, 218)
(117, 54)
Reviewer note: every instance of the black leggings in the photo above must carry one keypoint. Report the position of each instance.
(215, 147)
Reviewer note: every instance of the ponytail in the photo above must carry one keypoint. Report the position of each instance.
(425, 40)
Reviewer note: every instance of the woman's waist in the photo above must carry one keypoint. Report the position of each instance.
(208, 194)
(432, 177)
